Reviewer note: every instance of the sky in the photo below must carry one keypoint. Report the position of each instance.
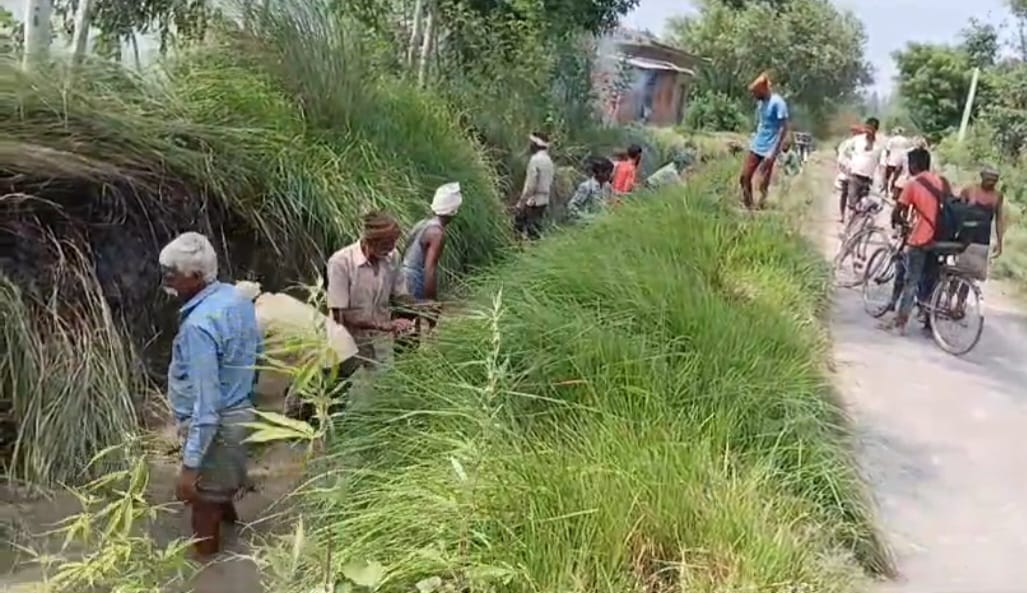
(890, 24)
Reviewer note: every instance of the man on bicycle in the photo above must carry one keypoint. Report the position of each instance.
(920, 267)
(866, 156)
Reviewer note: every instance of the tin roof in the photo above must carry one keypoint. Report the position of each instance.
(649, 64)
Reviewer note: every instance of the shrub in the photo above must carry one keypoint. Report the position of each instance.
(641, 404)
(716, 111)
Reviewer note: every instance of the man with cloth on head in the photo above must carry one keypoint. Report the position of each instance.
(538, 182)
(766, 143)
(427, 238)
(364, 281)
(210, 384)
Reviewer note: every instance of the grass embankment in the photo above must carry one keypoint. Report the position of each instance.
(272, 142)
(645, 405)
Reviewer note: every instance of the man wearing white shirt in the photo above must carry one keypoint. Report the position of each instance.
(844, 156)
(866, 156)
(895, 152)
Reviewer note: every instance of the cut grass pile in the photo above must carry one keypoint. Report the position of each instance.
(642, 406)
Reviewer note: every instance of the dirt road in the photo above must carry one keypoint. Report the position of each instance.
(941, 440)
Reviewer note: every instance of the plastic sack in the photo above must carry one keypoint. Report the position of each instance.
(295, 334)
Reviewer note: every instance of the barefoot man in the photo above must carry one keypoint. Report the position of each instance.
(210, 384)
(766, 143)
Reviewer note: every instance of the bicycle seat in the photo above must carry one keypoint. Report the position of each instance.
(948, 247)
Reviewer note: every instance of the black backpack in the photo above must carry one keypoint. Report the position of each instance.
(957, 220)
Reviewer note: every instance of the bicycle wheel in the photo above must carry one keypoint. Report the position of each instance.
(850, 263)
(852, 226)
(879, 281)
(956, 304)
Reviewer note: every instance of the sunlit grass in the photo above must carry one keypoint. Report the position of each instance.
(642, 403)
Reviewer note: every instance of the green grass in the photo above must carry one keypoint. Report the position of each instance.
(274, 143)
(642, 403)
(67, 385)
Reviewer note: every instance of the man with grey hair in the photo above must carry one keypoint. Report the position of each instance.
(210, 384)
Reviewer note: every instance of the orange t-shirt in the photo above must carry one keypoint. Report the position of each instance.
(624, 176)
(925, 207)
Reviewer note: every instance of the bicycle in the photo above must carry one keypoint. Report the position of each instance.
(860, 236)
(948, 301)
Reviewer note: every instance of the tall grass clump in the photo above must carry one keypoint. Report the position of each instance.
(642, 404)
(68, 383)
(353, 138)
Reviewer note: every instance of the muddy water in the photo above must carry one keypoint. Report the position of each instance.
(276, 473)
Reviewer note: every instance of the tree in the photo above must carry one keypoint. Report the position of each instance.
(1019, 10)
(11, 33)
(934, 81)
(119, 21)
(739, 4)
(1005, 114)
(980, 42)
(815, 52)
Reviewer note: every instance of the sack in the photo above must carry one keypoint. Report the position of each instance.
(956, 220)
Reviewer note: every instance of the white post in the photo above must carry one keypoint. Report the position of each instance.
(37, 30)
(81, 38)
(969, 104)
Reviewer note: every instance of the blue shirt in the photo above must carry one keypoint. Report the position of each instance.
(213, 362)
(771, 115)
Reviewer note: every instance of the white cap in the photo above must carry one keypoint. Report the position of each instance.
(447, 199)
(538, 141)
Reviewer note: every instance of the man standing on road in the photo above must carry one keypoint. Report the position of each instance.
(866, 156)
(845, 149)
(538, 181)
(210, 385)
(988, 200)
(895, 153)
(766, 143)
(364, 280)
(918, 202)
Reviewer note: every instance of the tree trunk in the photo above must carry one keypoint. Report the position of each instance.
(37, 31)
(429, 23)
(80, 42)
(414, 30)
(135, 51)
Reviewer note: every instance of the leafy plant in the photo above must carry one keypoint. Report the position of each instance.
(715, 111)
(107, 546)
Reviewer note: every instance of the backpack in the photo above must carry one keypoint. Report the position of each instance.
(957, 220)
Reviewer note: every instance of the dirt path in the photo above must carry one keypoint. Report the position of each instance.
(940, 438)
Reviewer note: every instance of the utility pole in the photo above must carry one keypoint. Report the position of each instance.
(968, 109)
(37, 31)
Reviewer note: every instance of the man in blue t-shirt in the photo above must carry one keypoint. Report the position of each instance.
(766, 143)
